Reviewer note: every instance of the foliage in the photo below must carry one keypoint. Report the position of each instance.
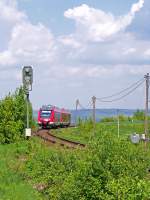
(85, 131)
(108, 168)
(12, 185)
(108, 119)
(139, 115)
(122, 118)
(13, 117)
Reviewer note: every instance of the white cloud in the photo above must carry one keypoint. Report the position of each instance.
(96, 71)
(129, 51)
(137, 6)
(9, 17)
(99, 50)
(69, 41)
(35, 42)
(27, 42)
(6, 58)
(96, 25)
(147, 53)
(10, 13)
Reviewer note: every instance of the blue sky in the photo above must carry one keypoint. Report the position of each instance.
(77, 49)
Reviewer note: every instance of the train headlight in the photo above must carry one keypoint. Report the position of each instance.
(46, 120)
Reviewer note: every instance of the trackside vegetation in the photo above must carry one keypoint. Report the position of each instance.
(108, 168)
(13, 117)
(84, 130)
(12, 184)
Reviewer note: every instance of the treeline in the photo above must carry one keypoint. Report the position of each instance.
(13, 117)
(137, 116)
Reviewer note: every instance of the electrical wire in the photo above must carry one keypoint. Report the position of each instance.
(82, 107)
(89, 104)
(119, 98)
(131, 89)
(118, 93)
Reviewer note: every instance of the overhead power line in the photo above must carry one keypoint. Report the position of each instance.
(122, 91)
(89, 104)
(84, 107)
(81, 106)
(119, 98)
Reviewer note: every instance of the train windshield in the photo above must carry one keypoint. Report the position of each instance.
(45, 113)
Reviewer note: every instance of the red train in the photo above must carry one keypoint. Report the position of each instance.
(51, 116)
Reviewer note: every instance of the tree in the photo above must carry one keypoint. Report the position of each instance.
(139, 115)
(13, 116)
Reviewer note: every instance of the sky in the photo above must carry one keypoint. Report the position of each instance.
(77, 48)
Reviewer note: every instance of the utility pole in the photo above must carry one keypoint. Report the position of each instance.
(77, 104)
(94, 117)
(147, 79)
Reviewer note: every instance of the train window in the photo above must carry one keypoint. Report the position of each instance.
(57, 116)
(45, 113)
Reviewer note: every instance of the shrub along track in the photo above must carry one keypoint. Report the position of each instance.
(51, 139)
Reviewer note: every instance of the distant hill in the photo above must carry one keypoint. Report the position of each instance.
(100, 113)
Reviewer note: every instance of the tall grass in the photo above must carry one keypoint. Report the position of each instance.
(12, 184)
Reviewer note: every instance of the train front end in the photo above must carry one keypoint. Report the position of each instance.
(45, 119)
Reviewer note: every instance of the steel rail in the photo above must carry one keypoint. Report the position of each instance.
(47, 136)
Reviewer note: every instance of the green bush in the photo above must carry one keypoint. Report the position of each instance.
(122, 118)
(108, 169)
(108, 119)
(12, 184)
(13, 117)
(139, 115)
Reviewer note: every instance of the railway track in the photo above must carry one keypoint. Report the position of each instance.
(52, 139)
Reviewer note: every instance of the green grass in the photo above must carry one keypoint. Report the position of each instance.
(85, 131)
(12, 184)
(17, 181)
(73, 134)
(106, 166)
